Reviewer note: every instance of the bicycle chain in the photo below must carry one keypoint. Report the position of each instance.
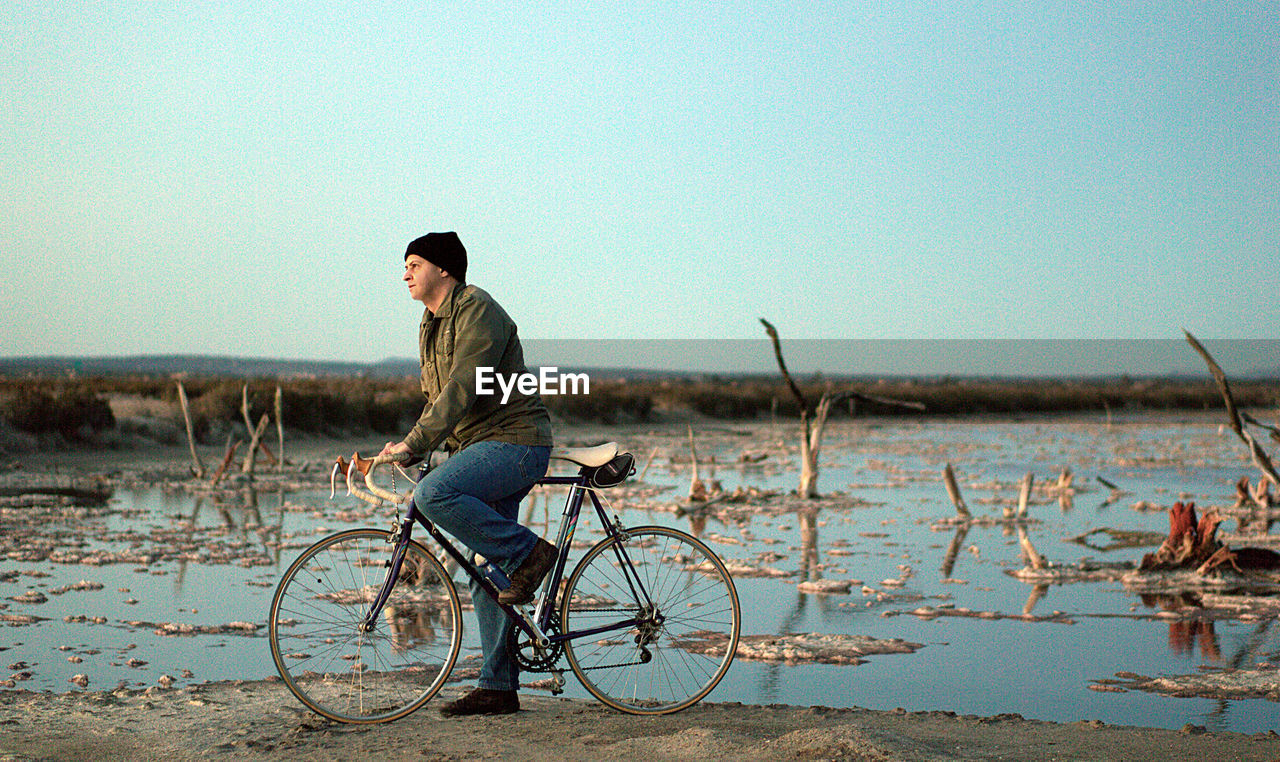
(619, 664)
(549, 662)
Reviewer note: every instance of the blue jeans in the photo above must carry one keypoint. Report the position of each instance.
(475, 496)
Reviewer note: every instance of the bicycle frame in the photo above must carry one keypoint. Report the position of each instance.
(537, 624)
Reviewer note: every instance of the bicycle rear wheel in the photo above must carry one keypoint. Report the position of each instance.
(684, 613)
(318, 645)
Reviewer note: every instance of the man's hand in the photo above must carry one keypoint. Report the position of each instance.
(395, 448)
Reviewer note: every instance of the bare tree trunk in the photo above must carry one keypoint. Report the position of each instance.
(809, 455)
(697, 490)
(811, 436)
(191, 437)
(808, 487)
(244, 408)
(255, 440)
(808, 459)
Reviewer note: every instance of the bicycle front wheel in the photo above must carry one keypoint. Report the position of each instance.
(682, 617)
(353, 673)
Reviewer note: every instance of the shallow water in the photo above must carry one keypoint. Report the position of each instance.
(1040, 669)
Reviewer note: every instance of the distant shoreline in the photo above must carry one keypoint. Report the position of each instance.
(665, 359)
(133, 410)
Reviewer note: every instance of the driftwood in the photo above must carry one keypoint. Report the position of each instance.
(1258, 494)
(964, 517)
(1193, 544)
(1033, 558)
(257, 443)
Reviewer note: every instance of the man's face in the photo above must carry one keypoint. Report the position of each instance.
(421, 276)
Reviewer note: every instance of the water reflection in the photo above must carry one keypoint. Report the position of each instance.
(239, 515)
(811, 563)
(1185, 636)
(698, 524)
(953, 550)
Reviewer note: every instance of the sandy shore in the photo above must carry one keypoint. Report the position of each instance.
(261, 720)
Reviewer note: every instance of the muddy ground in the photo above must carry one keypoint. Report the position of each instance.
(260, 720)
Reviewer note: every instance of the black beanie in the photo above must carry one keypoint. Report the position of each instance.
(444, 250)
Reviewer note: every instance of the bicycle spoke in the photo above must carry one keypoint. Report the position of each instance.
(348, 674)
(648, 668)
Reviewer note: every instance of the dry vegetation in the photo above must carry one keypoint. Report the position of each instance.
(112, 410)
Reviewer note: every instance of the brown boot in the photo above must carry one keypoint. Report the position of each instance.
(483, 701)
(525, 580)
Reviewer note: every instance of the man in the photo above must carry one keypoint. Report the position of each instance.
(498, 449)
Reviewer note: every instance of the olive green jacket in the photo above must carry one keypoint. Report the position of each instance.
(469, 331)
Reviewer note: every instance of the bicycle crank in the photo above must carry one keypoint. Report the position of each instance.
(532, 658)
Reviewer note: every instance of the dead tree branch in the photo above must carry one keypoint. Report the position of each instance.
(791, 384)
(255, 441)
(1235, 418)
(813, 422)
(191, 436)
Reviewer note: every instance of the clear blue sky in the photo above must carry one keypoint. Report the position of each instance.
(235, 178)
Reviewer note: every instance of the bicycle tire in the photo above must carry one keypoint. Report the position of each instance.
(690, 640)
(347, 675)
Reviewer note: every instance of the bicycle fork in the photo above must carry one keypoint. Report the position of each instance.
(400, 539)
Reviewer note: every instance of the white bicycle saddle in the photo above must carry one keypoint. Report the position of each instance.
(592, 457)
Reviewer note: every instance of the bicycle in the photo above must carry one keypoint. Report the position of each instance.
(648, 620)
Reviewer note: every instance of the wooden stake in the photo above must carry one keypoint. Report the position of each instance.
(280, 427)
(1034, 559)
(191, 437)
(953, 491)
(1024, 494)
